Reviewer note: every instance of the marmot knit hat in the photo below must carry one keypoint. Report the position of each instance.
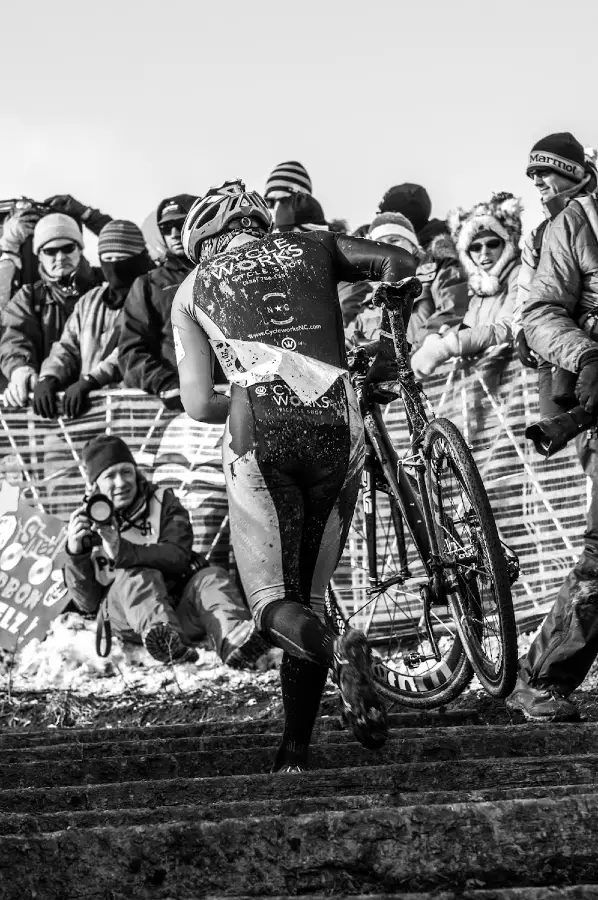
(288, 178)
(121, 236)
(561, 153)
(412, 200)
(56, 227)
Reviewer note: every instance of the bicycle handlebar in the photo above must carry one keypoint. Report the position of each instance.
(395, 294)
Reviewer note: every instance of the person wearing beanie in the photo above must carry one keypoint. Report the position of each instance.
(35, 316)
(85, 357)
(285, 179)
(558, 303)
(561, 170)
(146, 343)
(487, 240)
(444, 296)
(137, 571)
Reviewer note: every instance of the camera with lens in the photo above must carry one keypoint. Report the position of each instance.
(100, 509)
(553, 433)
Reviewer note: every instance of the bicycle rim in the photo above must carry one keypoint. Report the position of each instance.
(389, 609)
(474, 561)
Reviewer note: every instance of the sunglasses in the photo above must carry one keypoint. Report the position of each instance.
(167, 227)
(492, 244)
(64, 248)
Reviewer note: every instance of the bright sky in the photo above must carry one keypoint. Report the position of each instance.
(124, 103)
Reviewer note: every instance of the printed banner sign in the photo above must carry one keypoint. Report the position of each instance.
(32, 591)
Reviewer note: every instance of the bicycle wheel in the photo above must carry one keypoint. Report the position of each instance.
(377, 588)
(471, 551)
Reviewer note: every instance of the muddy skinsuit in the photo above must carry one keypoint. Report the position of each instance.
(293, 448)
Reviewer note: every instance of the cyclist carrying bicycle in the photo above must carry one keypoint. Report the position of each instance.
(266, 306)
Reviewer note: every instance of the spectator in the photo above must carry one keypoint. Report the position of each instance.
(556, 191)
(35, 317)
(146, 344)
(560, 327)
(139, 573)
(487, 238)
(85, 358)
(285, 179)
(444, 297)
(299, 212)
(364, 330)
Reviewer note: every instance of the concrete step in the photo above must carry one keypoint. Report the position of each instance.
(421, 848)
(213, 728)
(568, 892)
(434, 782)
(408, 746)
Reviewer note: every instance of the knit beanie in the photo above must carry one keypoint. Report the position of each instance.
(121, 236)
(104, 451)
(559, 152)
(393, 223)
(412, 200)
(287, 178)
(53, 227)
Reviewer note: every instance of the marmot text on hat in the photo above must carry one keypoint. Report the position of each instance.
(287, 178)
(104, 451)
(561, 153)
(55, 227)
(121, 236)
(411, 200)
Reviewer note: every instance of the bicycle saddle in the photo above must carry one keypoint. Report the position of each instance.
(394, 294)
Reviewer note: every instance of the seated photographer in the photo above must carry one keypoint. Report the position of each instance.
(86, 356)
(35, 317)
(487, 238)
(135, 568)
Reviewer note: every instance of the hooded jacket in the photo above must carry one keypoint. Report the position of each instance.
(81, 349)
(35, 317)
(444, 297)
(562, 308)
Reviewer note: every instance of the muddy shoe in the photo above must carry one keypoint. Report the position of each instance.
(243, 646)
(289, 769)
(541, 705)
(164, 644)
(363, 709)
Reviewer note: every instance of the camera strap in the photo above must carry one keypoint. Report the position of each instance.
(103, 631)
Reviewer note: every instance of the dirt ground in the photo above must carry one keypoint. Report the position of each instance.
(62, 683)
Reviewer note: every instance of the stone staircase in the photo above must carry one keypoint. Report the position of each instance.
(450, 808)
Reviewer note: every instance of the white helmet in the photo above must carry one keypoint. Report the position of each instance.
(210, 215)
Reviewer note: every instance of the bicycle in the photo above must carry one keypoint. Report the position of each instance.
(433, 562)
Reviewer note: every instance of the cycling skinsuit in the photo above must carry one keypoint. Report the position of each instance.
(293, 446)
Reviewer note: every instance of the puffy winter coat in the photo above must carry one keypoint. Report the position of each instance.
(81, 349)
(146, 343)
(488, 320)
(35, 317)
(444, 297)
(562, 309)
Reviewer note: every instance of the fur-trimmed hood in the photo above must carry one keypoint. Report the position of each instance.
(502, 216)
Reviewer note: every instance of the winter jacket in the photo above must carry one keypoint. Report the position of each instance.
(35, 317)
(81, 349)
(169, 553)
(146, 343)
(444, 297)
(488, 320)
(562, 307)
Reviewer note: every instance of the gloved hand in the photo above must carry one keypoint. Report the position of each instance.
(383, 368)
(22, 380)
(171, 399)
(434, 351)
(586, 389)
(76, 397)
(17, 228)
(298, 209)
(522, 349)
(65, 203)
(44, 398)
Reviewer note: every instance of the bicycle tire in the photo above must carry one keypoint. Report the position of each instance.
(427, 688)
(482, 602)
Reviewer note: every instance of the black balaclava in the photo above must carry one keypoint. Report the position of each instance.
(120, 276)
